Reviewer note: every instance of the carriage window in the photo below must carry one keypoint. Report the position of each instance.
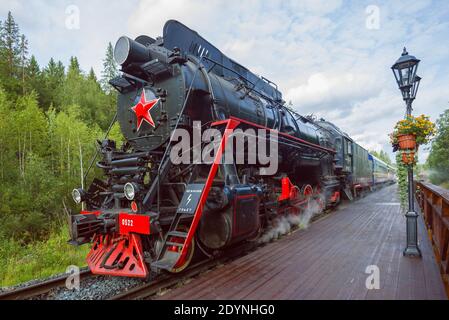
(349, 146)
(338, 145)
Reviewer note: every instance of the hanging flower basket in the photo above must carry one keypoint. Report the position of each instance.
(411, 132)
(407, 141)
(408, 157)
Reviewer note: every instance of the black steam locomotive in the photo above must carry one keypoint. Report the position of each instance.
(151, 213)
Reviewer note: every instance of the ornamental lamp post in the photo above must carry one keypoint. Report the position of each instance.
(404, 71)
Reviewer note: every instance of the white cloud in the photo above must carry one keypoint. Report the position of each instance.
(43, 22)
(320, 53)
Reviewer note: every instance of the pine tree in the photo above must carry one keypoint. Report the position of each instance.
(92, 79)
(53, 81)
(11, 40)
(60, 69)
(50, 71)
(73, 85)
(33, 67)
(10, 55)
(33, 76)
(92, 76)
(110, 69)
(23, 59)
(74, 67)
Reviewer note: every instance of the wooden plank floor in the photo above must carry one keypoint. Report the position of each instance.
(328, 261)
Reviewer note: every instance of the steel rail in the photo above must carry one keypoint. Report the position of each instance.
(40, 288)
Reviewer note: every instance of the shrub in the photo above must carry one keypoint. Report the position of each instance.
(36, 260)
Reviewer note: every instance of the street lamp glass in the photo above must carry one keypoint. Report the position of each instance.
(415, 86)
(404, 71)
(405, 76)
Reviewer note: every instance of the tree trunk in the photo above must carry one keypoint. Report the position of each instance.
(1, 161)
(68, 159)
(24, 155)
(61, 158)
(81, 170)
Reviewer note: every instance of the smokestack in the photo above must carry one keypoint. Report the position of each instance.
(128, 51)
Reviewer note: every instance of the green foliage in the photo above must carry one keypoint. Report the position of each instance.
(402, 174)
(49, 122)
(10, 56)
(110, 69)
(86, 92)
(382, 155)
(33, 78)
(39, 259)
(420, 171)
(438, 160)
(23, 59)
(53, 76)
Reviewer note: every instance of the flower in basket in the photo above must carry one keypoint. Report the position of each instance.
(412, 131)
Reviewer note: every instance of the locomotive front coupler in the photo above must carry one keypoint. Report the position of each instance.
(83, 227)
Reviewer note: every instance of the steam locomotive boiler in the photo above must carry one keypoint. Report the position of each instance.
(150, 212)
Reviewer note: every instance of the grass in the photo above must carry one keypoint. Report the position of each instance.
(21, 263)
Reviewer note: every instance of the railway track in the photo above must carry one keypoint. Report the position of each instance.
(140, 292)
(34, 290)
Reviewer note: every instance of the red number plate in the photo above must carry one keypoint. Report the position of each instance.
(133, 223)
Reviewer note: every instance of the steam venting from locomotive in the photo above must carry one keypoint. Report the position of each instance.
(286, 223)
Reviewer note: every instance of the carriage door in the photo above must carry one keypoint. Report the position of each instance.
(348, 155)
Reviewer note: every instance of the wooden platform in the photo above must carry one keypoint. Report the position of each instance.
(328, 261)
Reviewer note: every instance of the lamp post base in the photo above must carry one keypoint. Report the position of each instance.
(412, 251)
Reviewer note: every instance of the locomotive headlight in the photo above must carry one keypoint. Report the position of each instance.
(130, 189)
(78, 195)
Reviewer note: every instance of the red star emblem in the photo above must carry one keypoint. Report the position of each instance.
(142, 110)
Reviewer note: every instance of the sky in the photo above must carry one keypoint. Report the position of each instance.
(331, 58)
